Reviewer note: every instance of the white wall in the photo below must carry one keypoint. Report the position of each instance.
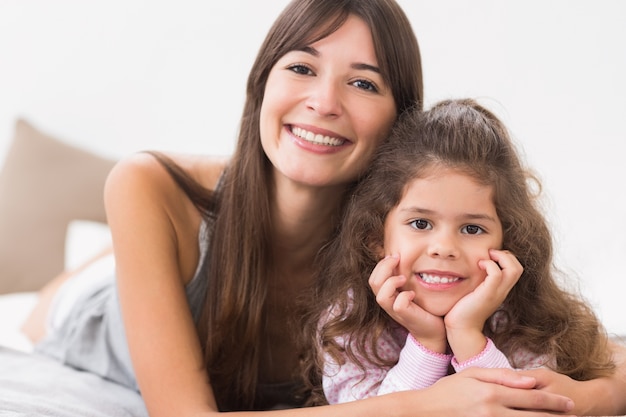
(118, 76)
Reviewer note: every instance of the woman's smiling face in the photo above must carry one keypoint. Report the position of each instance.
(326, 108)
(443, 226)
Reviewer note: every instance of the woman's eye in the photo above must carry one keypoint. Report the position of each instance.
(472, 229)
(421, 224)
(365, 85)
(300, 69)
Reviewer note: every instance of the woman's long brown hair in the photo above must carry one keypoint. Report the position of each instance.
(240, 253)
(541, 316)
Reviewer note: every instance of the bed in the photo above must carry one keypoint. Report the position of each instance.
(34, 385)
(51, 219)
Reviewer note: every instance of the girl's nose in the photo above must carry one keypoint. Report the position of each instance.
(325, 98)
(443, 247)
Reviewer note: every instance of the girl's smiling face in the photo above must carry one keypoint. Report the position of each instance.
(326, 108)
(443, 226)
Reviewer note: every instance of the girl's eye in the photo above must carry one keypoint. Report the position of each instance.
(365, 85)
(472, 229)
(300, 69)
(421, 224)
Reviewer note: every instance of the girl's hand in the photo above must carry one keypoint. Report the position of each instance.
(426, 328)
(464, 323)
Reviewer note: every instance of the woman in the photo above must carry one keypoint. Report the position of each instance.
(211, 255)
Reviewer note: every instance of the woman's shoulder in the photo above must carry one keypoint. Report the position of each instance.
(146, 206)
(204, 169)
(145, 169)
(139, 186)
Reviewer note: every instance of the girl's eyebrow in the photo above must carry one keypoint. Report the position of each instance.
(357, 65)
(468, 216)
(471, 216)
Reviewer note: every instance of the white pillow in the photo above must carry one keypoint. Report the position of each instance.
(85, 239)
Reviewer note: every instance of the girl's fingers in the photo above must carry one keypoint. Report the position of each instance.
(494, 273)
(383, 270)
(388, 292)
(404, 301)
(507, 261)
(509, 265)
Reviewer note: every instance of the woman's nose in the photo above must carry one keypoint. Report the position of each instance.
(325, 98)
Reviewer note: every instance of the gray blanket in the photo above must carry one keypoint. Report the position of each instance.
(34, 385)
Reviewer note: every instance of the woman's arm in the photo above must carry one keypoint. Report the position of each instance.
(155, 228)
(601, 396)
(476, 392)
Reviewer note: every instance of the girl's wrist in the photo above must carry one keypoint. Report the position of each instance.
(432, 344)
(467, 343)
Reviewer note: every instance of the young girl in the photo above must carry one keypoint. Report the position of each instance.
(444, 234)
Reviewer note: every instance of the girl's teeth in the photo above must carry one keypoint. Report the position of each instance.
(434, 279)
(317, 139)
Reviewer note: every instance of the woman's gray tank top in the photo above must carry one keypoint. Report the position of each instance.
(93, 339)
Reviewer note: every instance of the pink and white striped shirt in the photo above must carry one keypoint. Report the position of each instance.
(416, 367)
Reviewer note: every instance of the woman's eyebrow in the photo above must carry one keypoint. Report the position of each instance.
(310, 50)
(357, 65)
(367, 67)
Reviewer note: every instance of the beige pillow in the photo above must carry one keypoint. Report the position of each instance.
(44, 184)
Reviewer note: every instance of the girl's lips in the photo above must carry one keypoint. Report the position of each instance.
(438, 279)
(435, 281)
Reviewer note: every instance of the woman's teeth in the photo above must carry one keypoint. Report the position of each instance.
(435, 279)
(317, 139)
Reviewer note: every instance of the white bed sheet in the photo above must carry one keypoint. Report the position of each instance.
(14, 308)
